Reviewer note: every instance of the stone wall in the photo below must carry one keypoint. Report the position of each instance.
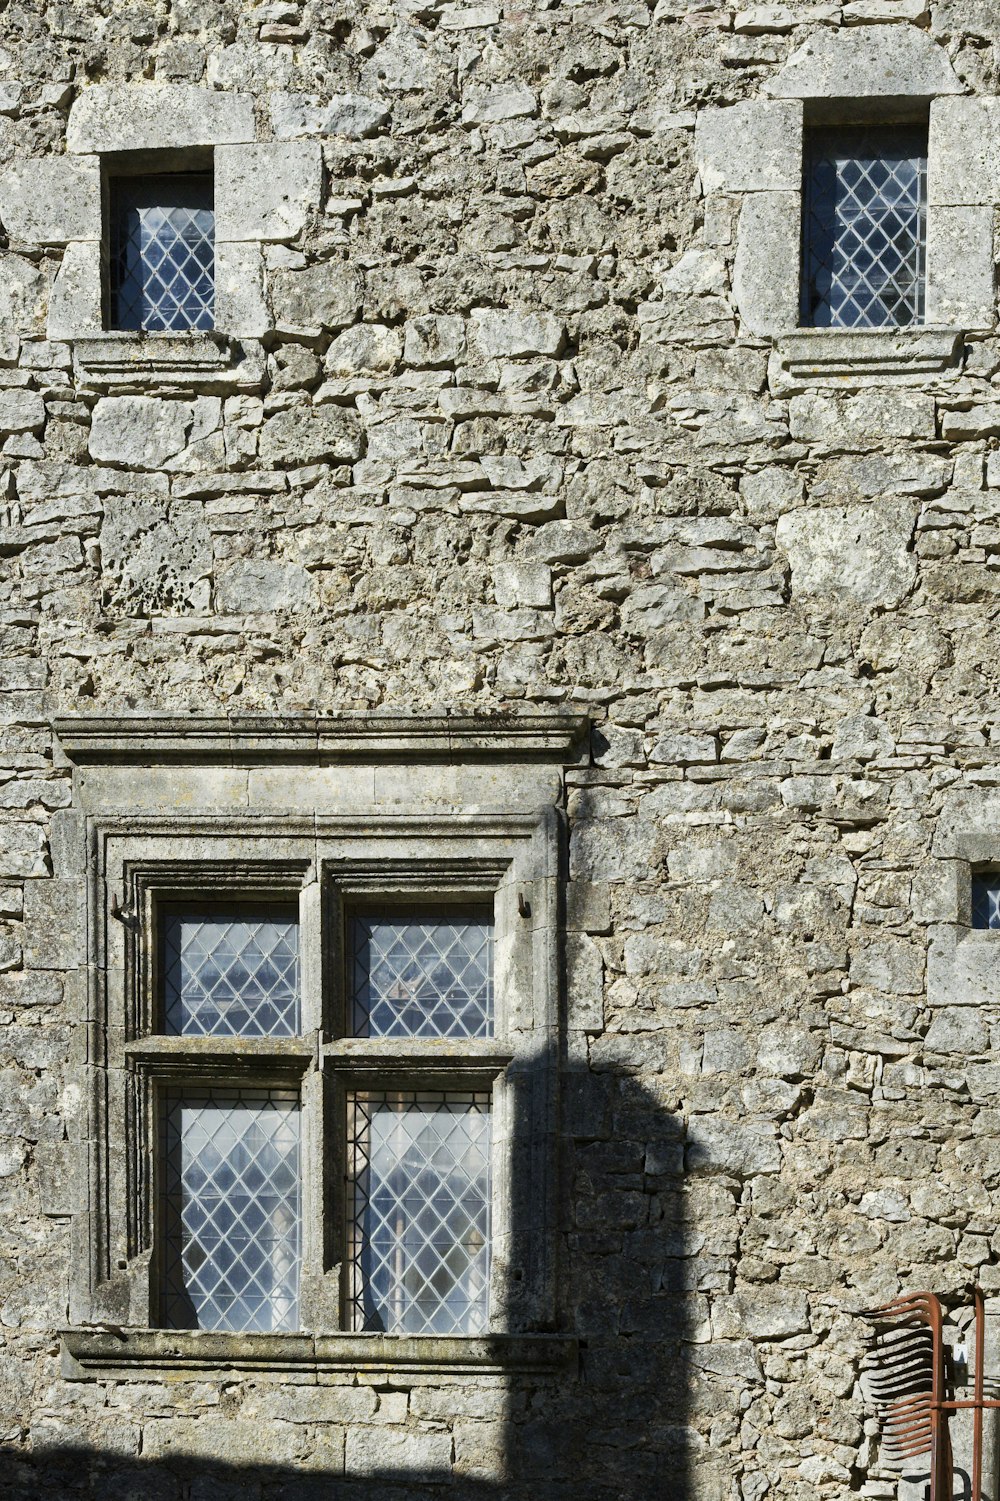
(518, 438)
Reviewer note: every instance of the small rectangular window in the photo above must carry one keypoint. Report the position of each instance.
(864, 227)
(231, 973)
(986, 899)
(414, 976)
(231, 1209)
(161, 252)
(419, 1191)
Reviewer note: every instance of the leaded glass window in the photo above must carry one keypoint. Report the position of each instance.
(231, 1211)
(414, 976)
(420, 1212)
(162, 252)
(231, 974)
(251, 1006)
(986, 899)
(864, 227)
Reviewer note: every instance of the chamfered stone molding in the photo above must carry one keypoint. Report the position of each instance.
(865, 62)
(239, 739)
(847, 359)
(141, 1354)
(155, 116)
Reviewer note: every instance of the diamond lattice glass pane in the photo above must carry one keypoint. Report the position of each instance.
(986, 899)
(421, 977)
(233, 974)
(231, 1210)
(864, 228)
(420, 1226)
(162, 252)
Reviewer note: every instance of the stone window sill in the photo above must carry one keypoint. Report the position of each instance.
(144, 1354)
(138, 360)
(851, 358)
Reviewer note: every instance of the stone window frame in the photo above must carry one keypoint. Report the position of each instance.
(963, 962)
(750, 158)
(57, 201)
(134, 860)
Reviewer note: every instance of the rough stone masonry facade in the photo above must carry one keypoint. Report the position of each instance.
(508, 418)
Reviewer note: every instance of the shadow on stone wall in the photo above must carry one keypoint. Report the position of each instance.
(615, 1430)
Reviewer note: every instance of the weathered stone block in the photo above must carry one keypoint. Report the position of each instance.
(751, 147)
(251, 587)
(21, 411)
(53, 915)
(75, 302)
(50, 200)
(864, 420)
(23, 293)
(241, 307)
(310, 435)
(139, 431)
(367, 348)
(22, 850)
(506, 335)
(979, 421)
(856, 553)
(766, 268)
(683, 748)
(355, 117)
(516, 584)
(964, 1030)
(485, 104)
(866, 62)
(895, 967)
(131, 117)
(388, 1451)
(860, 737)
(584, 983)
(435, 340)
(761, 1313)
(327, 295)
(963, 152)
(267, 190)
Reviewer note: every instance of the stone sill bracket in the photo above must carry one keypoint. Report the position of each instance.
(850, 359)
(143, 362)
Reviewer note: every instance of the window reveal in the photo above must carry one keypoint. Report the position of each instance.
(864, 227)
(986, 899)
(162, 252)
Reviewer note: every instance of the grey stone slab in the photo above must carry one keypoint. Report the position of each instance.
(54, 933)
(266, 191)
(858, 554)
(50, 200)
(866, 62)
(961, 275)
(513, 335)
(140, 431)
(252, 587)
(241, 302)
(766, 268)
(134, 117)
(963, 152)
(180, 789)
(76, 302)
(754, 146)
